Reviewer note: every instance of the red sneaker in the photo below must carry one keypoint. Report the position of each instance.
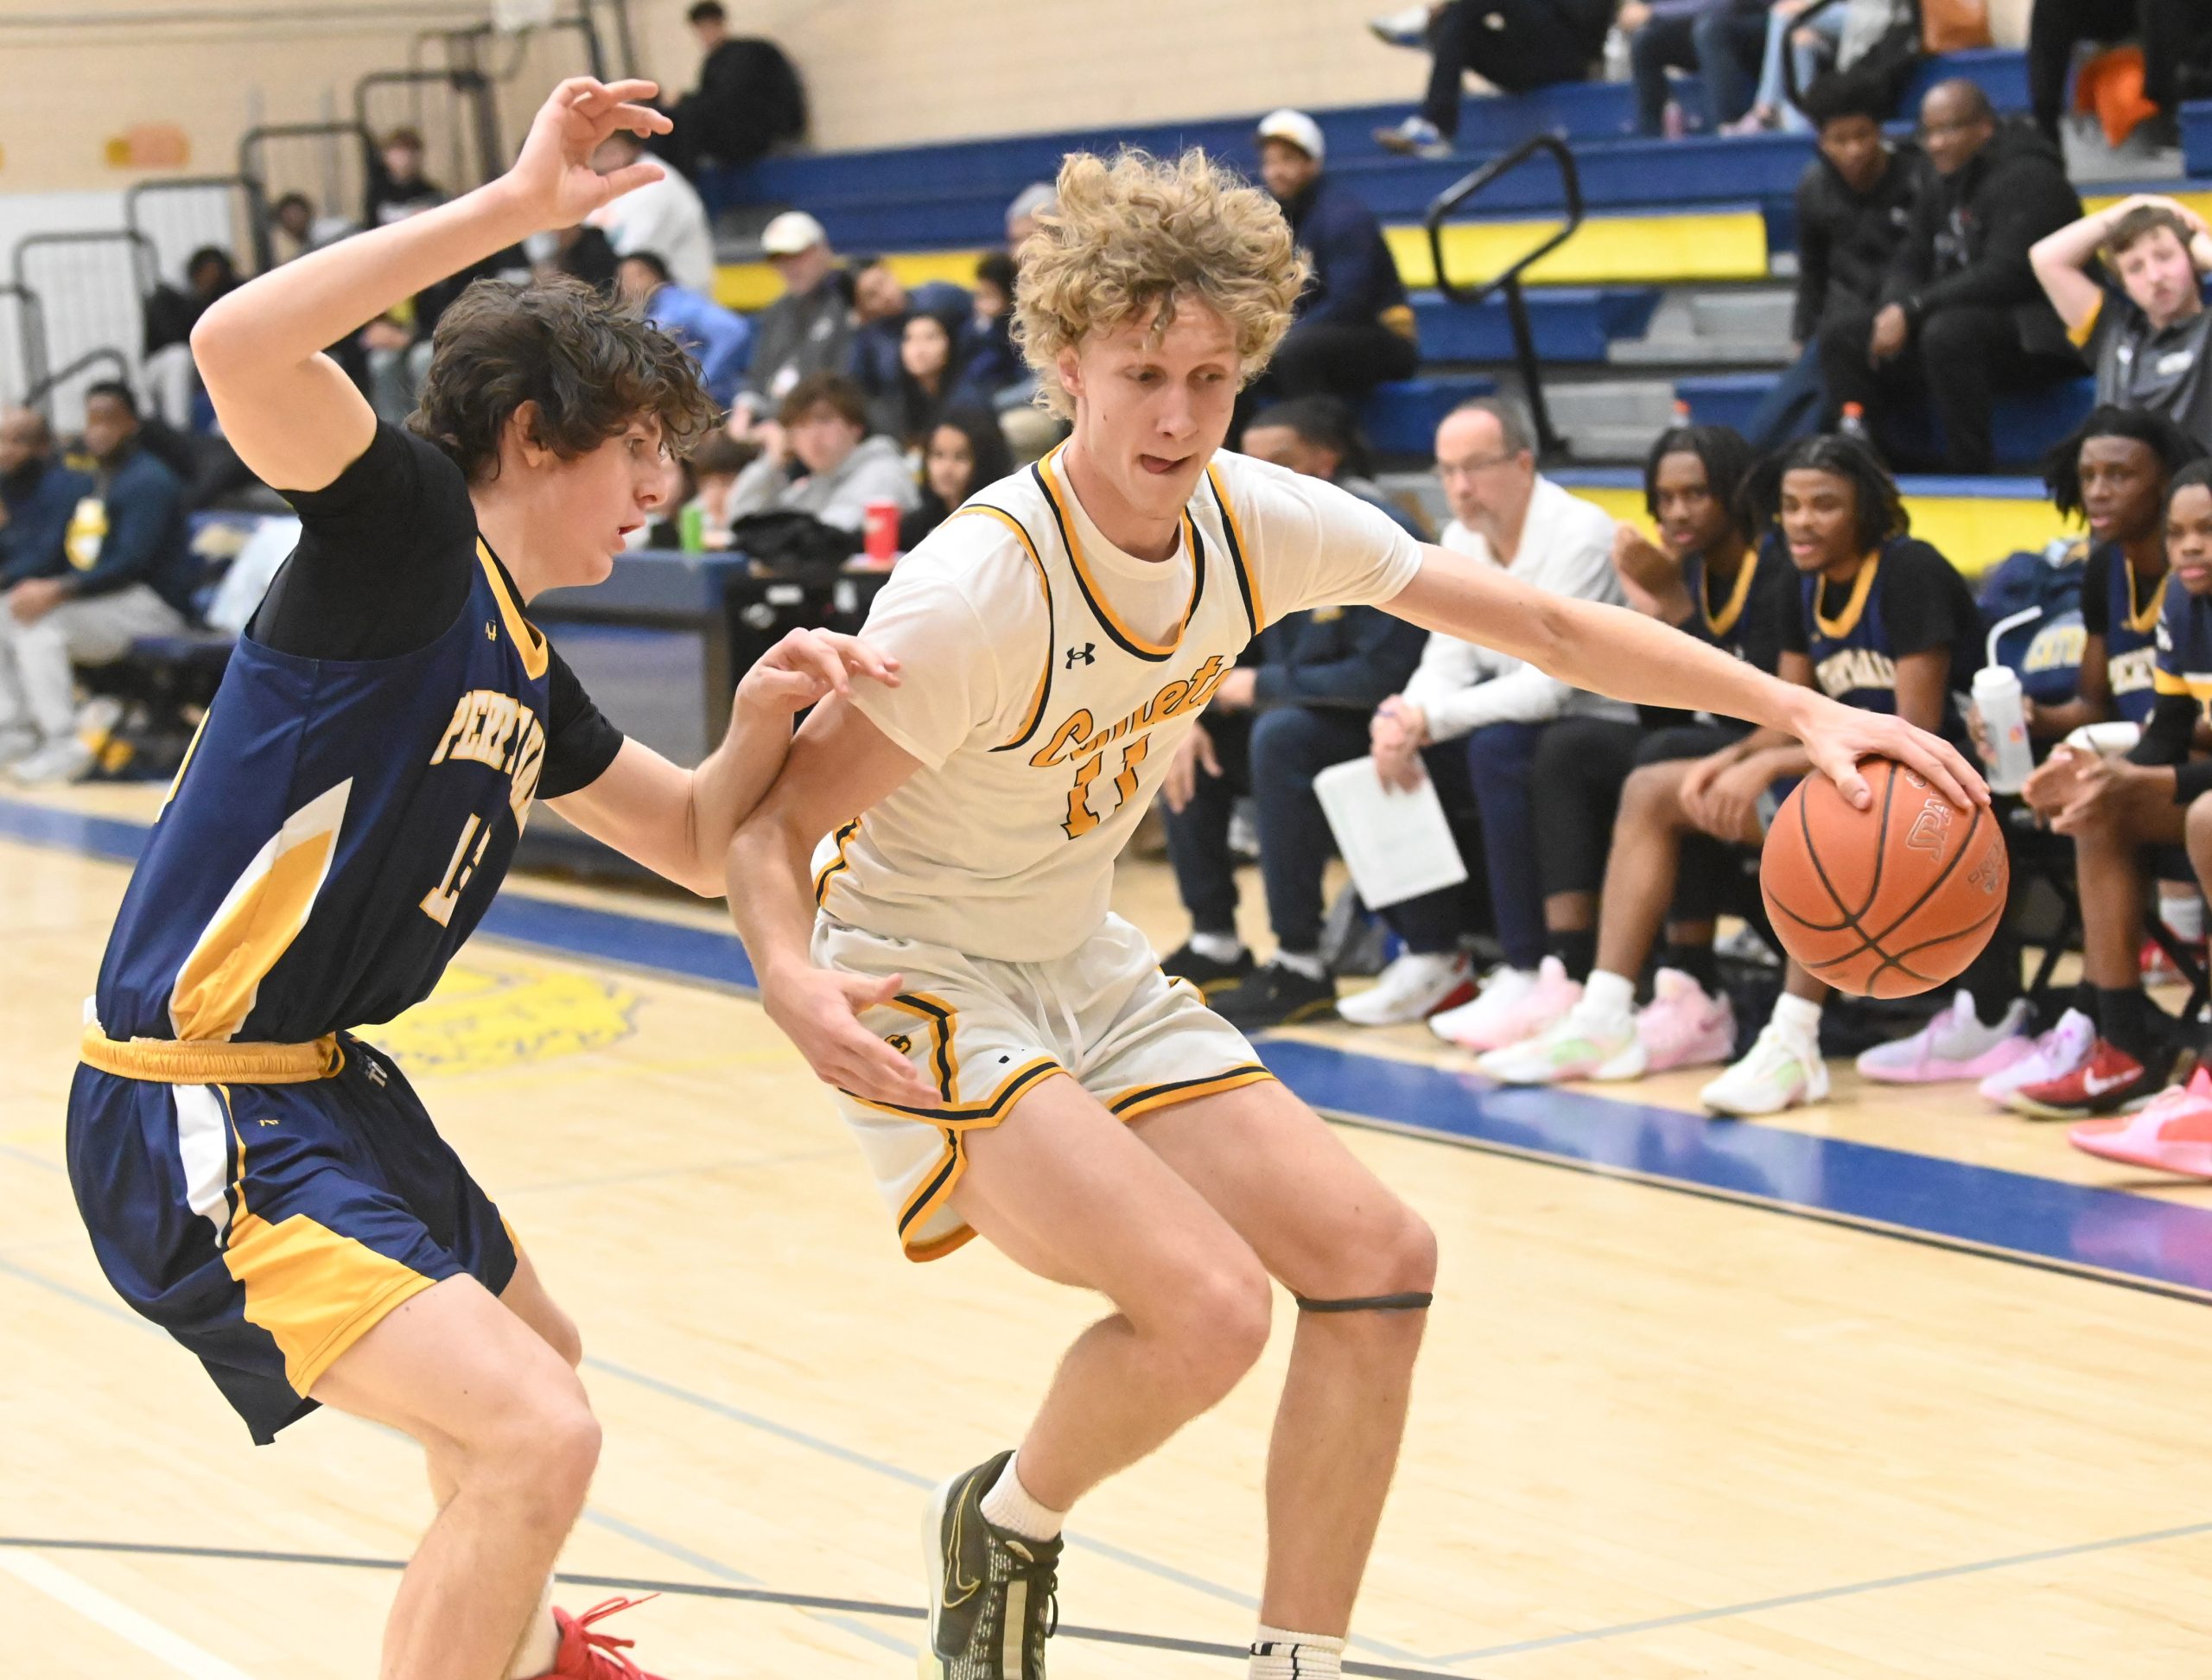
(2173, 1134)
(2110, 1082)
(585, 1655)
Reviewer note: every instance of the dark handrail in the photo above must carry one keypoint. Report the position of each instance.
(30, 332)
(256, 208)
(1790, 90)
(253, 138)
(469, 82)
(145, 258)
(38, 393)
(1548, 441)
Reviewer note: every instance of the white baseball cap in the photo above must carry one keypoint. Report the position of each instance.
(790, 233)
(1296, 127)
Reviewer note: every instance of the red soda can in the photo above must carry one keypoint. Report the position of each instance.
(880, 534)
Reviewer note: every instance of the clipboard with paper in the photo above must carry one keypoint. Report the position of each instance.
(1397, 844)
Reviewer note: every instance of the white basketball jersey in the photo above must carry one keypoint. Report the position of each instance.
(1045, 715)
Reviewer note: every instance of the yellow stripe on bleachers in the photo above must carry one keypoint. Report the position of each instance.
(1971, 532)
(1725, 245)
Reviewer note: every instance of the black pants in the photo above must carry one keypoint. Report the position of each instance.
(2173, 33)
(1515, 45)
(1958, 360)
(1582, 764)
(1346, 358)
(1274, 757)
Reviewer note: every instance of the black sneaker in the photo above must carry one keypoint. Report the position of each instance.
(1204, 973)
(1275, 997)
(992, 1600)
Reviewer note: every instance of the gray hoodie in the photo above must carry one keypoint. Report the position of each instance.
(875, 471)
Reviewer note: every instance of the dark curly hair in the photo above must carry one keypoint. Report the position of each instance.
(2062, 467)
(591, 366)
(1878, 509)
(1726, 457)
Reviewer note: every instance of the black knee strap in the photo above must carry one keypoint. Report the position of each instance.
(1413, 1301)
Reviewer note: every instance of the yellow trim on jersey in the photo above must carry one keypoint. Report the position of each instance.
(527, 641)
(1737, 596)
(1036, 713)
(1861, 586)
(2139, 616)
(946, 1059)
(1143, 1100)
(985, 1111)
(1094, 595)
(185, 763)
(835, 864)
(173, 1061)
(1240, 553)
(2196, 684)
(2081, 334)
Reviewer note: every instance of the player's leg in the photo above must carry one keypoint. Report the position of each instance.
(506, 1425)
(1064, 1189)
(1361, 1263)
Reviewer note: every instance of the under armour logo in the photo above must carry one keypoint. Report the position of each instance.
(1088, 653)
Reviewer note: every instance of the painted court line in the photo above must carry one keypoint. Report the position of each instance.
(118, 1618)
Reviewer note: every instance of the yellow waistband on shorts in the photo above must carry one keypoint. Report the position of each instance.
(171, 1061)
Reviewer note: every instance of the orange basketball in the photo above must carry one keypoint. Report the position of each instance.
(1886, 902)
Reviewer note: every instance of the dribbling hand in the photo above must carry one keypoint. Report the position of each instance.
(1838, 736)
(553, 176)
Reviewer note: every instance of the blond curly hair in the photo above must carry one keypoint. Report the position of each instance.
(1137, 235)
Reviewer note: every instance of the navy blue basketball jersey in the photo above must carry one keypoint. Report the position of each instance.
(1744, 618)
(1906, 599)
(2132, 611)
(334, 834)
(2184, 644)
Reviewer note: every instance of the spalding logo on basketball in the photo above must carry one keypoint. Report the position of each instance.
(1889, 901)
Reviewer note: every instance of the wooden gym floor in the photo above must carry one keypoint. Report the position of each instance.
(1890, 1388)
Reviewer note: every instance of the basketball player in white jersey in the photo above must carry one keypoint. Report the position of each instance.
(1014, 1061)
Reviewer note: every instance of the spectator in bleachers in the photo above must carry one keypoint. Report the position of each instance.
(1471, 719)
(666, 216)
(720, 340)
(1514, 45)
(294, 216)
(1722, 40)
(881, 308)
(39, 492)
(397, 188)
(1033, 200)
(2148, 338)
(1353, 327)
(1808, 46)
(2116, 807)
(966, 451)
(929, 379)
(716, 465)
(580, 252)
(1298, 702)
(1962, 315)
(171, 381)
(1854, 205)
(2176, 36)
(1611, 823)
(125, 571)
(990, 363)
(749, 102)
(819, 458)
(806, 331)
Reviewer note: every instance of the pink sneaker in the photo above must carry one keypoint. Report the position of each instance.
(1514, 1005)
(1680, 1026)
(1952, 1045)
(2056, 1054)
(2173, 1134)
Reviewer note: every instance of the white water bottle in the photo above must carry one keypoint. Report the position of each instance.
(2003, 711)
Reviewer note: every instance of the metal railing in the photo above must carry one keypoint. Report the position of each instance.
(230, 211)
(30, 339)
(1508, 282)
(41, 394)
(88, 291)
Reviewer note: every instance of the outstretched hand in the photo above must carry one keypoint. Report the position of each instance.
(809, 666)
(1839, 737)
(553, 176)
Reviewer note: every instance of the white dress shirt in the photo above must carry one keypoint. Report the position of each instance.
(1567, 546)
(667, 217)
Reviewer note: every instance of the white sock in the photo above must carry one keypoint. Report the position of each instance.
(1798, 1016)
(1011, 1506)
(541, 1641)
(1606, 997)
(1307, 963)
(1217, 947)
(2185, 916)
(1278, 1654)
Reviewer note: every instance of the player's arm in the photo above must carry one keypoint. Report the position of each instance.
(678, 823)
(840, 766)
(290, 411)
(1612, 651)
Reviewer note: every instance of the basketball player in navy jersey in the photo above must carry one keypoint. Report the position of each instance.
(256, 1180)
